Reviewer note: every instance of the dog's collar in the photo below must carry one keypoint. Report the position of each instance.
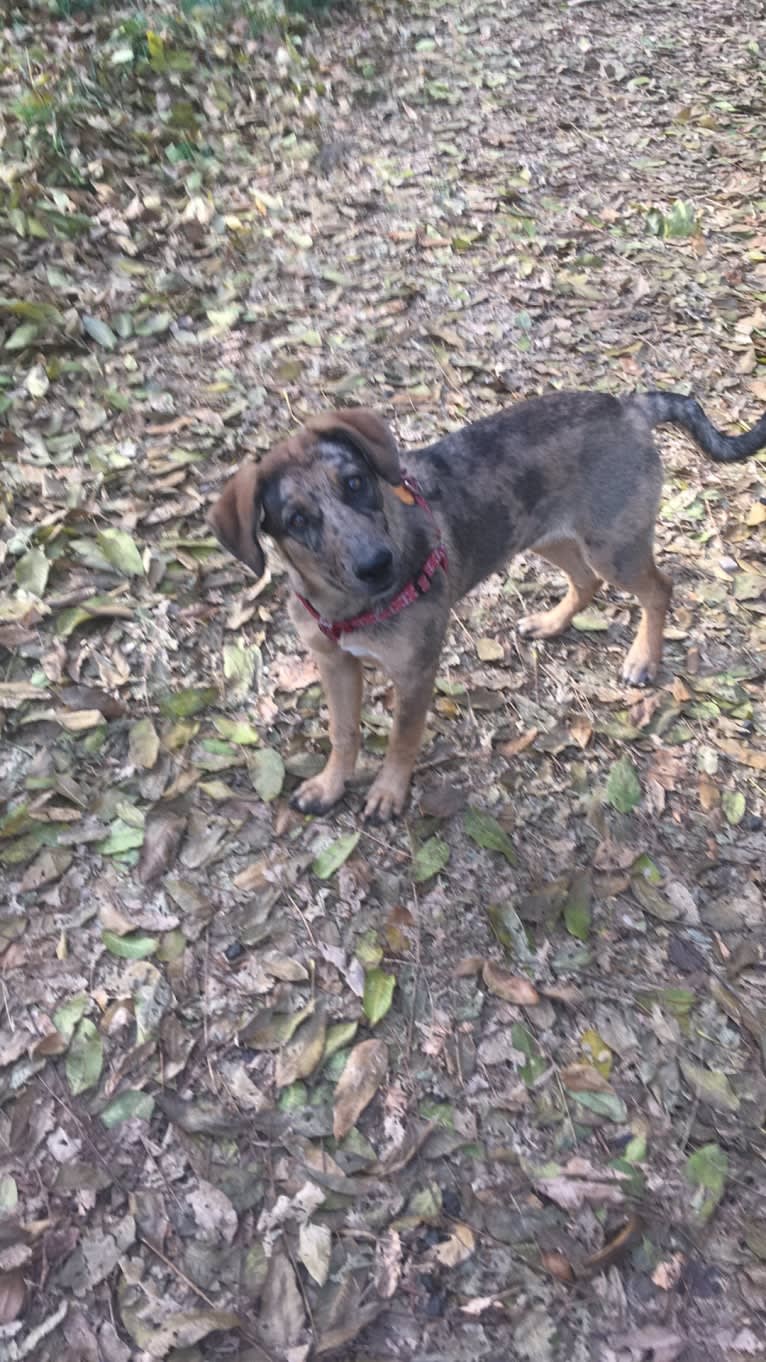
(409, 493)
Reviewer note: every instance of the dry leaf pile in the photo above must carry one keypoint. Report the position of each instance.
(488, 1083)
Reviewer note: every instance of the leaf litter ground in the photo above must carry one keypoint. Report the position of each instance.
(489, 1083)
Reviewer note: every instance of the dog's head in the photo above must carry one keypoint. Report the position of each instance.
(320, 496)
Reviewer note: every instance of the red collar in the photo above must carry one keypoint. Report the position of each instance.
(436, 559)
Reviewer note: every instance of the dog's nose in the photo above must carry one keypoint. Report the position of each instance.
(375, 566)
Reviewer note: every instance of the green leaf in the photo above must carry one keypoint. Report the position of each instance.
(267, 773)
(535, 1064)
(592, 621)
(429, 859)
(622, 788)
(122, 837)
(338, 1035)
(706, 1170)
(237, 731)
(23, 336)
(378, 995)
(121, 551)
(154, 324)
(181, 704)
(133, 946)
(733, 805)
(332, 857)
(677, 1001)
(487, 832)
(577, 906)
(32, 572)
(66, 1017)
(709, 1085)
(85, 1058)
(99, 332)
(510, 930)
(239, 668)
(606, 1104)
(126, 1106)
(644, 865)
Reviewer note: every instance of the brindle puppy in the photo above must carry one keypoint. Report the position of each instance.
(573, 476)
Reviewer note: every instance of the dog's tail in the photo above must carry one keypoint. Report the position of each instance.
(673, 409)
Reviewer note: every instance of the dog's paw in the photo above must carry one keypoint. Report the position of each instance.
(318, 795)
(545, 625)
(638, 669)
(387, 797)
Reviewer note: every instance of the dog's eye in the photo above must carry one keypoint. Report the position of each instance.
(354, 483)
(296, 522)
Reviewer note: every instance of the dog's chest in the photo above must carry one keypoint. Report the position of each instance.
(363, 648)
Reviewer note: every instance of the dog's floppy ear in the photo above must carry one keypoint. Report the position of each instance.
(234, 518)
(368, 432)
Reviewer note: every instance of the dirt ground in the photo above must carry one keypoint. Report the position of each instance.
(486, 1084)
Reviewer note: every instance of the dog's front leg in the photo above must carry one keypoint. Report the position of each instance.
(389, 790)
(342, 681)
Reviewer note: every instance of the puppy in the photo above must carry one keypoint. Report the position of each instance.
(376, 556)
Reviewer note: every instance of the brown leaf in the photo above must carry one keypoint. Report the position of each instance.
(617, 1247)
(281, 1316)
(512, 988)
(558, 1266)
(12, 1295)
(345, 1316)
(457, 1249)
(739, 751)
(584, 1078)
(162, 838)
(46, 868)
(442, 801)
(77, 720)
(468, 966)
(90, 697)
(514, 746)
(388, 1263)
(357, 1085)
(581, 732)
(293, 673)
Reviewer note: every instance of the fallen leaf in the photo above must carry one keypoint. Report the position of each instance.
(512, 988)
(143, 744)
(623, 791)
(332, 857)
(163, 834)
(301, 1055)
(314, 1248)
(378, 995)
(709, 1085)
(485, 830)
(12, 1295)
(358, 1084)
(85, 1058)
(706, 1169)
(429, 859)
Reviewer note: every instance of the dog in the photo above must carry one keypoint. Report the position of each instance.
(376, 556)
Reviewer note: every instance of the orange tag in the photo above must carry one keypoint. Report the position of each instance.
(404, 494)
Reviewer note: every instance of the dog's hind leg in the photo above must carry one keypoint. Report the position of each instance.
(583, 585)
(653, 590)
(342, 681)
(632, 568)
